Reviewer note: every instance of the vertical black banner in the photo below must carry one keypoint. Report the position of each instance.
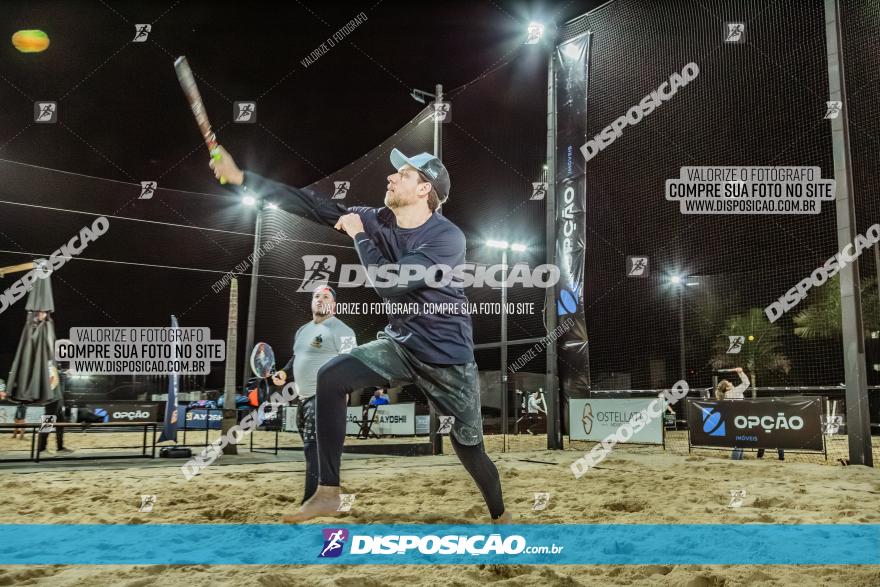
(571, 59)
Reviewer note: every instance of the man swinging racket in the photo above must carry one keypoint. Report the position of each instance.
(435, 351)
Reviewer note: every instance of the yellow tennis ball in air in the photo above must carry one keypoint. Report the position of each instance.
(32, 41)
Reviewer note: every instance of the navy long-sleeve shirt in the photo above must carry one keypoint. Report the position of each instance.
(439, 338)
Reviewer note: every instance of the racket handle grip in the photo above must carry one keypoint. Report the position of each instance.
(216, 156)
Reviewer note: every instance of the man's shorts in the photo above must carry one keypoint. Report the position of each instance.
(305, 420)
(453, 390)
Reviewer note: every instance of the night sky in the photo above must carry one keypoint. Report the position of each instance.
(123, 117)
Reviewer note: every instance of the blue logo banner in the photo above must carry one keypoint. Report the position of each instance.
(275, 544)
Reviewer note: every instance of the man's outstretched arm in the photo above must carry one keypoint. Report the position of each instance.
(302, 202)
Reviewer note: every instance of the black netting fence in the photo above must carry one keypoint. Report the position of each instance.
(861, 20)
(760, 102)
(160, 256)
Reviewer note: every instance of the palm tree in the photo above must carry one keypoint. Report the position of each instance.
(820, 318)
(761, 351)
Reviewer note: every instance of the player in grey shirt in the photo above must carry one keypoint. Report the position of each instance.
(315, 343)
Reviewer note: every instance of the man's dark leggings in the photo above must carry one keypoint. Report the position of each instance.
(345, 374)
(306, 424)
(310, 451)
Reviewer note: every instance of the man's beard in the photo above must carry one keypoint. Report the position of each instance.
(393, 200)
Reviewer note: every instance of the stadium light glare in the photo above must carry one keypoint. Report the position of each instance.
(249, 200)
(497, 244)
(571, 50)
(535, 32)
(518, 248)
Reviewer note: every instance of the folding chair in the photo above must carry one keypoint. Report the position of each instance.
(366, 424)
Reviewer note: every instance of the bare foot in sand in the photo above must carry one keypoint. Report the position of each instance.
(325, 502)
(505, 518)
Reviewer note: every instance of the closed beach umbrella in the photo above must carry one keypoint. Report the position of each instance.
(34, 376)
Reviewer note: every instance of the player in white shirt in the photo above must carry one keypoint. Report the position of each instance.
(726, 390)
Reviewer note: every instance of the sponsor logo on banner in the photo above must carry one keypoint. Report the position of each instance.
(588, 418)
(199, 418)
(390, 419)
(125, 412)
(571, 60)
(131, 416)
(785, 423)
(601, 417)
(713, 425)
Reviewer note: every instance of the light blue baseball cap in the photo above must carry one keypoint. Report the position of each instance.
(430, 166)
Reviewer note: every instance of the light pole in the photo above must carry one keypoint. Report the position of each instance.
(252, 296)
(420, 96)
(504, 245)
(680, 281)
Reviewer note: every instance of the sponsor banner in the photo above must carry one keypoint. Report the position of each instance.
(32, 416)
(198, 418)
(385, 544)
(570, 60)
(391, 420)
(596, 419)
(757, 423)
(423, 424)
(125, 412)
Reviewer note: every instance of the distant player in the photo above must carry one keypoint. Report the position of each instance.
(315, 343)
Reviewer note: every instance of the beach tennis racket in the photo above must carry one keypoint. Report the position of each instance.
(263, 360)
(191, 91)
